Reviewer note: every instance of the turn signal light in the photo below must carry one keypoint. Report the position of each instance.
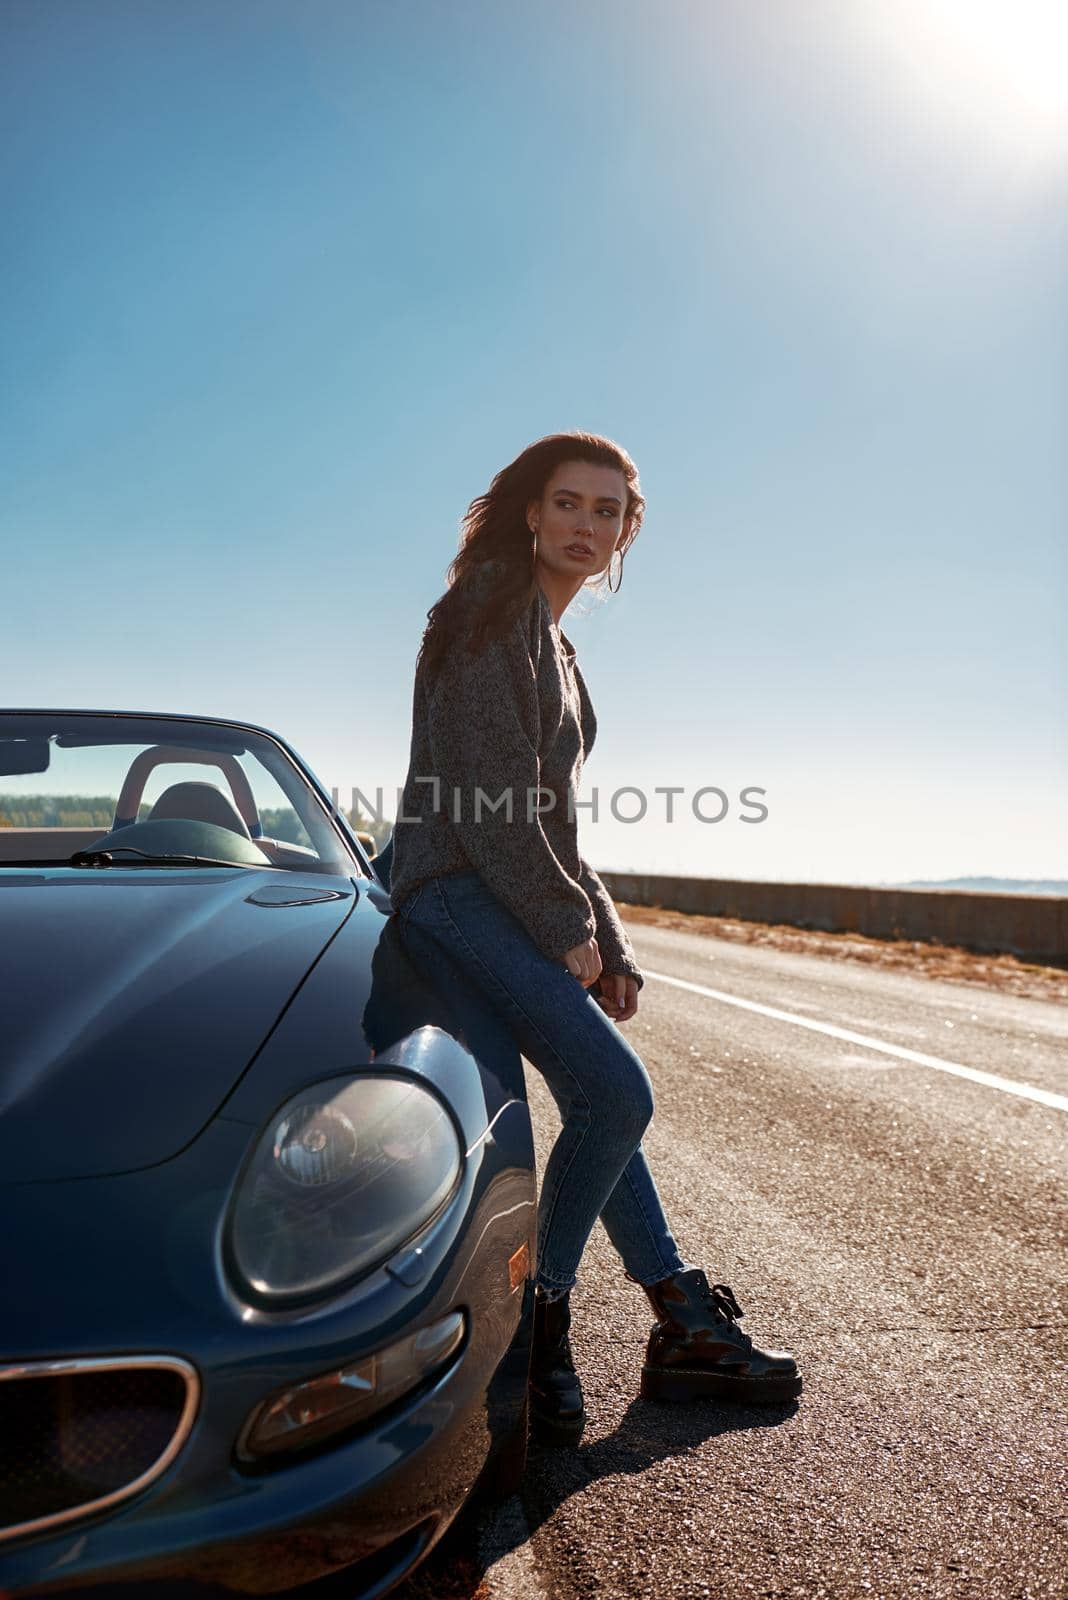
(313, 1411)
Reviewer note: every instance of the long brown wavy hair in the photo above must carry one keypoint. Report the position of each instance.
(496, 544)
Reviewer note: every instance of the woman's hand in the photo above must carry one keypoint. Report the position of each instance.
(616, 992)
(618, 997)
(584, 962)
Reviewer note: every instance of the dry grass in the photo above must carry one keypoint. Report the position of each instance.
(949, 962)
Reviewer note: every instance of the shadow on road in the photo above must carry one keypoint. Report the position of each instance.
(647, 1434)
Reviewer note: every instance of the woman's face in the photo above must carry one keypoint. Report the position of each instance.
(583, 504)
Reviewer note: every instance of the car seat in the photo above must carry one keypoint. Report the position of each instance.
(199, 802)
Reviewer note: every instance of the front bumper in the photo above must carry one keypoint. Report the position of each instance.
(375, 1499)
(389, 1492)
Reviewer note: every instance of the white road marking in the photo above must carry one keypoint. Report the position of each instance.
(1026, 1091)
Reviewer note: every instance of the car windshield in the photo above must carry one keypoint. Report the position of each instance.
(129, 792)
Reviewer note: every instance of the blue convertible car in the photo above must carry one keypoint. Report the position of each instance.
(268, 1198)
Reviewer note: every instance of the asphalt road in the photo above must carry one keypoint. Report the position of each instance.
(899, 1226)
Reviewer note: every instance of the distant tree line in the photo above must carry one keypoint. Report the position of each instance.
(56, 811)
(98, 811)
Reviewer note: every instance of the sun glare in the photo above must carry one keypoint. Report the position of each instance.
(997, 69)
(1020, 44)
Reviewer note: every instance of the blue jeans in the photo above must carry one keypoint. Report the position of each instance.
(466, 939)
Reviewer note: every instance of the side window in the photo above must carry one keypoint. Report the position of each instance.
(278, 817)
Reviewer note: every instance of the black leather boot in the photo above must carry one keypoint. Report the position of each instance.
(697, 1348)
(557, 1415)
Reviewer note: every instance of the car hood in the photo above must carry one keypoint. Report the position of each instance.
(131, 1002)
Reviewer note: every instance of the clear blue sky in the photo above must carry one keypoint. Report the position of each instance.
(284, 284)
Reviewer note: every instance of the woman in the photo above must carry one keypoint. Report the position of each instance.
(491, 891)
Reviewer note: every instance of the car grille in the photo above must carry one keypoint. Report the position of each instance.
(80, 1436)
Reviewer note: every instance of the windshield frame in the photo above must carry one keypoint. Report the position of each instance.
(159, 727)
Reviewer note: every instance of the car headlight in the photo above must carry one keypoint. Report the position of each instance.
(341, 1176)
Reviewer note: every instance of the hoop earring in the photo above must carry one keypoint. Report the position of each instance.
(615, 552)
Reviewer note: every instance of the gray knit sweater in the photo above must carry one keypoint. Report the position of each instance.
(488, 728)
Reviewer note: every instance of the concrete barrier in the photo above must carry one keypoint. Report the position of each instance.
(1033, 927)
